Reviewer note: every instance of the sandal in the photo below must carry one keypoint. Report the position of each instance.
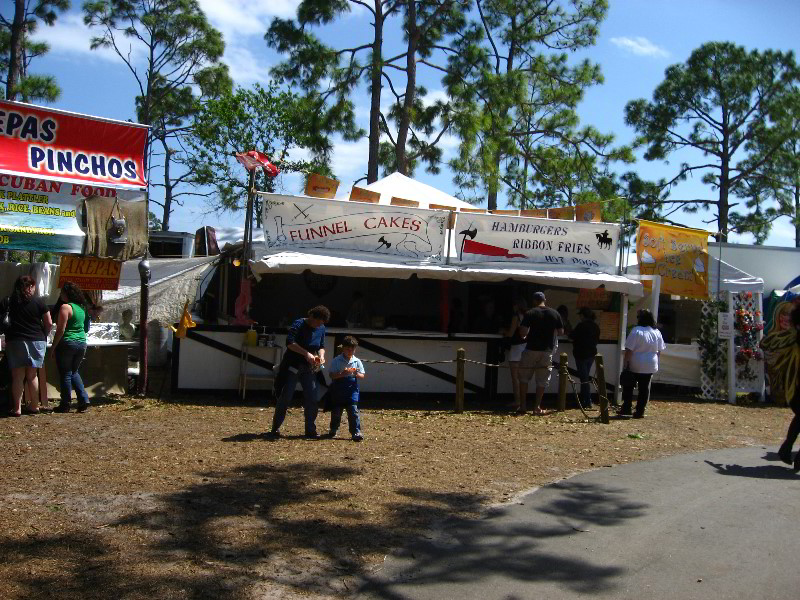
(46, 409)
(29, 411)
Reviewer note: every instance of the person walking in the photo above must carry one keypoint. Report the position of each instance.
(305, 355)
(540, 328)
(642, 348)
(585, 337)
(69, 345)
(26, 343)
(793, 367)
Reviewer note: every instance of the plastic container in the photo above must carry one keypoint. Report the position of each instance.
(251, 337)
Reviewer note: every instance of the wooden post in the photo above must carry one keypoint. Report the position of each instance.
(602, 394)
(460, 355)
(562, 382)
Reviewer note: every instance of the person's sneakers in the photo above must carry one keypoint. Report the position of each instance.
(61, 408)
(330, 435)
(311, 435)
(638, 416)
(83, 407)
(785, 454)
(358, 437)
(273, 435)
(797, 463)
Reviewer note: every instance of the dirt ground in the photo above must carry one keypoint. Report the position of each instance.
(144, 499)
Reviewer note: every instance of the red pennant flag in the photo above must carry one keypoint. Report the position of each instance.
(255, 160)
(473, 247)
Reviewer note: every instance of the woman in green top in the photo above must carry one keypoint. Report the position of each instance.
(70, 345)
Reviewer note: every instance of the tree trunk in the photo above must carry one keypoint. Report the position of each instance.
(411, 87)
(797, 216)
(167, 187)
(375, 102)
(494, 182)
(15, 53)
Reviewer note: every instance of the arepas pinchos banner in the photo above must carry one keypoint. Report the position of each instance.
(482, 238)
(53, 144)
(678, 254)
(292, 222)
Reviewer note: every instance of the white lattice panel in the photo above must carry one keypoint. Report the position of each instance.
(711, 387)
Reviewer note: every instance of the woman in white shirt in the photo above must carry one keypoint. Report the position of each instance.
(642, 348)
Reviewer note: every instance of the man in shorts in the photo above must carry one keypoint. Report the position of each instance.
(539, 328)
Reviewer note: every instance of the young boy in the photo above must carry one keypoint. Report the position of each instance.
(345, 371)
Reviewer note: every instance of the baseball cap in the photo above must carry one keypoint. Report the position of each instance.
(538, 298)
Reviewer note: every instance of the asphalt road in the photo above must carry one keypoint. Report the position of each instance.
(721, 524)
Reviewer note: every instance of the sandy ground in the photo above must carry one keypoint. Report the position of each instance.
(188, 499)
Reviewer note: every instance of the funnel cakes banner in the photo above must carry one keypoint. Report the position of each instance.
(297, 222)
(495, 238)
(678, 254)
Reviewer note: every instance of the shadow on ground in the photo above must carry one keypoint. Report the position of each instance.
(227, 537)
(498, 547)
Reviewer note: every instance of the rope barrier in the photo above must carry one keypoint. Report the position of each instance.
(408, 362)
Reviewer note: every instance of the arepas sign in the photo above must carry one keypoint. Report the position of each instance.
(51, 144)
(292, 222)
(482, 238)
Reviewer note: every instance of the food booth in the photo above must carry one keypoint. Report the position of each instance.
(413, 281)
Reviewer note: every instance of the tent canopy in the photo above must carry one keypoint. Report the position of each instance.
(410, 189)
(354, 264)
(733, 280)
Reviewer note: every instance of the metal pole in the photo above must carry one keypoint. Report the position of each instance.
(562, 382)
(248, 224)
(144, 276)
(623, 327)
(602, 393)
(460, 355)
(731, 356)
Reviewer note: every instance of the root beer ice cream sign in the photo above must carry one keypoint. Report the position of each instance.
(292, 222)
(546, 242)
(50, 144)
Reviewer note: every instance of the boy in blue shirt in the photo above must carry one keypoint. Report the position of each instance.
(345, 371)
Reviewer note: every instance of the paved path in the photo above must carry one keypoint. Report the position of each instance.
(721, 524)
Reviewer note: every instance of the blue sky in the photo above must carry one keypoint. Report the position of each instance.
(637, 41)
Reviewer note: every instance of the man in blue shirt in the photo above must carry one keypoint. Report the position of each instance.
(305, 355)
(346, 370)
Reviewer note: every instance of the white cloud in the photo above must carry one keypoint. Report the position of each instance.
(244, 67)
(70, 37)
(640, 46)
(436, 95)
(237, 18)
(350, 159)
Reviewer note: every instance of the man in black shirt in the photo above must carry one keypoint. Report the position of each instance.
(539, 328)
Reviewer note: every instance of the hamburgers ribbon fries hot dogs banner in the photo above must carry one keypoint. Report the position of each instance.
(56, 145)
(292, 222)
(546, 242)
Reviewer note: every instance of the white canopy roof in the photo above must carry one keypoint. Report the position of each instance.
(410, 189)
(733, 280)
(351, 264)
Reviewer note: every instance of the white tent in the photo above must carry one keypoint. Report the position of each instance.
(409, 189)
(732, 279)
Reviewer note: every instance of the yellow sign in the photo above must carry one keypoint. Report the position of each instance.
(90, 273)
(678, 254)
(320, 186)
